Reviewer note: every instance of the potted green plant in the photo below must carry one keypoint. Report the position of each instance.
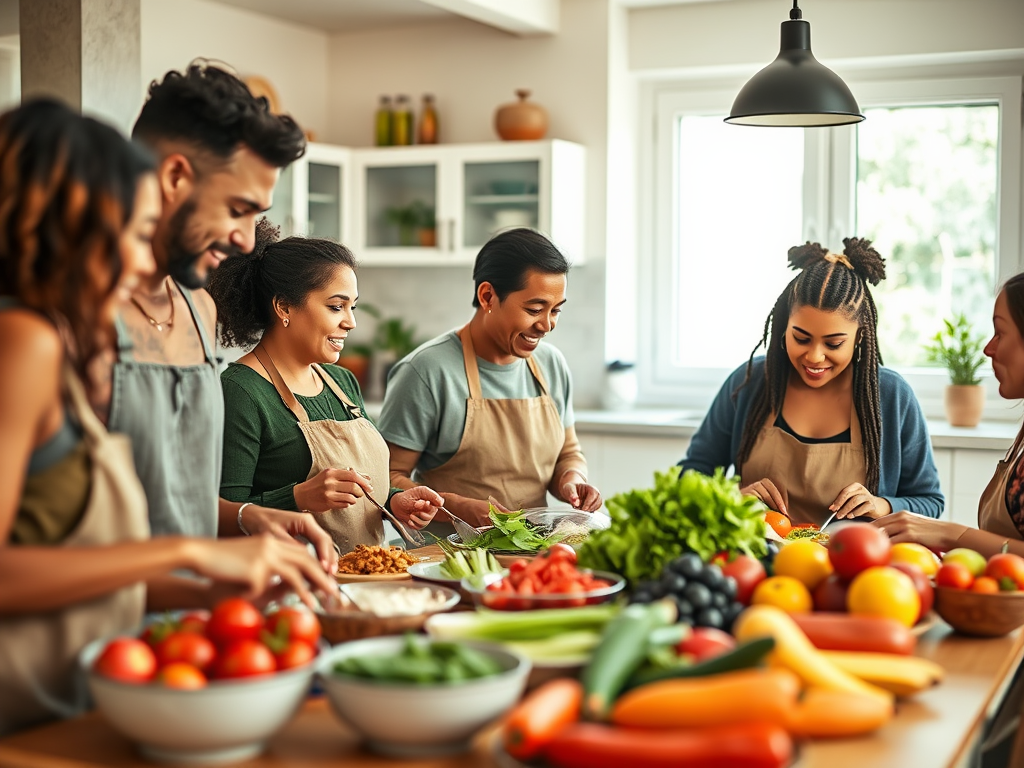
(960, 351)
(415, 222)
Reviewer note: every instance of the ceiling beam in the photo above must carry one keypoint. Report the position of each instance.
(522, 17)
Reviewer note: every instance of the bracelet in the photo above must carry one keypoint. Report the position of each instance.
(240, 526)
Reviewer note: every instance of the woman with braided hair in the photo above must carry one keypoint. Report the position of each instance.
(817, 425)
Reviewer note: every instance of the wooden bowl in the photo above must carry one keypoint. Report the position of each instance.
(979, 614)
(341, 624)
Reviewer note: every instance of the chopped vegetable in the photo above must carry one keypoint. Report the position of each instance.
(460, 563)
(683, 512)
(424, 663)
(520, 625)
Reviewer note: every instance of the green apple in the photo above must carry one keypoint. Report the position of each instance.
(971, 560)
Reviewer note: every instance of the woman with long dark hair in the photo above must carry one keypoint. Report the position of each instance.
(78, 206)
(818, 425)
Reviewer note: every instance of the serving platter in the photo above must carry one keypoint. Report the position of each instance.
(355, 578)
(431, 571)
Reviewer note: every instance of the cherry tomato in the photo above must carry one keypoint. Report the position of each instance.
(296, 653)
(232, 620)
(294, 624)
(562, 552)
(706, 643)
(244, 658)
(194, 622)
(188, 647)
(181, 675)
(127, 659)
(856, 548)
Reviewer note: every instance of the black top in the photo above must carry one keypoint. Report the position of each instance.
(842, 437)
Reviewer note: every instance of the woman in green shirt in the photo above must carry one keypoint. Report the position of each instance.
(296, 434)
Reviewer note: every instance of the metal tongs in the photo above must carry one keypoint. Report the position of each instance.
(415, 538)
(467, 533)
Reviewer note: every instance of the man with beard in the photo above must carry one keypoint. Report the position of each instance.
(219, 152)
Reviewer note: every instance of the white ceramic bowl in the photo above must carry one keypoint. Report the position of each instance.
(419, 720)
(226, 721)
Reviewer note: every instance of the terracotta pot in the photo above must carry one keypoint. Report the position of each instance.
(964, 403)
(521, 120)
(427, 238)
(360, 367)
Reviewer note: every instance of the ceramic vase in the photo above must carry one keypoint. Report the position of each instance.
(521, 120)
(964, 404)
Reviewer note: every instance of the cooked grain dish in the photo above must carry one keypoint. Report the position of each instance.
(366, 560)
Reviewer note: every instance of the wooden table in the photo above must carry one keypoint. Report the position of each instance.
(937, 728)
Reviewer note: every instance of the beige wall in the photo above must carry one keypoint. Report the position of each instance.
(472, 69)
(292, 57)
(747, 31)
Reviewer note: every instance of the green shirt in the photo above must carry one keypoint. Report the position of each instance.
(265, 454)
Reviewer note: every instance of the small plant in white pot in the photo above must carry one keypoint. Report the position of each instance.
(960, 351)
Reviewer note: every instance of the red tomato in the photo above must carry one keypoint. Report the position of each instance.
(954, 575)
(194, 622)
(830, 594)
(856, 548)
(294, 624)
(127, 659)
(706, 643)
(187, 647)
(748, 573)
(1007, 569)
(562, 552)
(922, 584)
(295, 654)
(245, 658)
(180, 675)
(232, 620)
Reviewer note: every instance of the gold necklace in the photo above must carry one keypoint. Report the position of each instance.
(158, 324)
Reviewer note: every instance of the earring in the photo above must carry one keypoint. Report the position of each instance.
(488, 311)
(285, 321)
(859, 350)
(782, 345)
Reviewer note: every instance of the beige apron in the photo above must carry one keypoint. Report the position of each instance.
(38, 652)
(509, 448)
(339, 445)
(812, 474)
(993, 516)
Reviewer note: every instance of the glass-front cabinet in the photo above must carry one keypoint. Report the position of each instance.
(437, 205)
(313, 196)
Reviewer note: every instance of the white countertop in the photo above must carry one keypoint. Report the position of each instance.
(654, 422)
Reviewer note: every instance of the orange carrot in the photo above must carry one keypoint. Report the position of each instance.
(541, 716)
(822, 712)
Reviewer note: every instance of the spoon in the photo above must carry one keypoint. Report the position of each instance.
(828, 520)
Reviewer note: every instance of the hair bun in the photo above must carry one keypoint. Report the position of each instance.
(267, 233)
(802, 256)
(866, 261)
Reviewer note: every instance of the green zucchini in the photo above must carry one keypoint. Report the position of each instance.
(743, 656)
(622, 649)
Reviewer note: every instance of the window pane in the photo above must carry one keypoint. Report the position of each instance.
(927, 196)
(739, 211)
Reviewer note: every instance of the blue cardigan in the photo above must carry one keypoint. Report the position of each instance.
(908, 478)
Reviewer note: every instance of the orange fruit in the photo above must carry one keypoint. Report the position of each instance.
(783, 592)
(779, 523)
(884, 592)
(915, 554)
(985, 584)
(806, 561)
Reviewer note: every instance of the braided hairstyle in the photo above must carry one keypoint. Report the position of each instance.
(832, 284)
(244, 286)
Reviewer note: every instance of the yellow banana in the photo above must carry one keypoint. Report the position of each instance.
(794, 651)
(900, 675)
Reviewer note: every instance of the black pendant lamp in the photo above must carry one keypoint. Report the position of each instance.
(795, 89)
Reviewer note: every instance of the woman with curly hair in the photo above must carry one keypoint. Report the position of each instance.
(78, 208)
(817, 425)
(296, 436)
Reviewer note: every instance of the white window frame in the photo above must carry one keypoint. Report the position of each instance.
(828, 188)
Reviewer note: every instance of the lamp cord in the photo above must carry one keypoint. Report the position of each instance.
(795, 13)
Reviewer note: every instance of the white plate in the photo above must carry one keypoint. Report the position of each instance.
(432, 572)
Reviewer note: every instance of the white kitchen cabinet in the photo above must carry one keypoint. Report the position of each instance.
(472, 192)
(619, 463)
(313, 195)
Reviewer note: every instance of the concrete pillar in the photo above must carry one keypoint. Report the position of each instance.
(86, 52)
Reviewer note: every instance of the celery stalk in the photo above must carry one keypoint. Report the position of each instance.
(504, 626)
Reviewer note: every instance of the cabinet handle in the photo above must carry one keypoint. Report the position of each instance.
(451, 235)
